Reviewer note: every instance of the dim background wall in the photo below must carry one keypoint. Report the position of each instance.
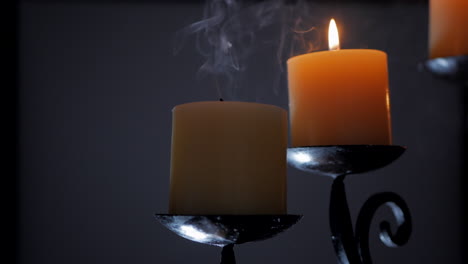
(97, 83)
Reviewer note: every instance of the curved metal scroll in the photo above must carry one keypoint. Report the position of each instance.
(353, 248)
(402, 216)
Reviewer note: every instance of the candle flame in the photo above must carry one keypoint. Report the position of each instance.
(333, 38)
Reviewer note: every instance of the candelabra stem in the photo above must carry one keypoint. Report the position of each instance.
(341, 225)
(227, 255)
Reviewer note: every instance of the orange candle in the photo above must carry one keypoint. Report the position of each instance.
(339, 97)
(448, 28)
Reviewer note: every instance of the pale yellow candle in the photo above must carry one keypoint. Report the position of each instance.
(339, 97)
(228, 158)
(448, 28)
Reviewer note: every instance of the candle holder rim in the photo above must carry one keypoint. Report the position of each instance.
(222, 230)
(226, 215)
(350, 145)
(336, 160)
(448, 67)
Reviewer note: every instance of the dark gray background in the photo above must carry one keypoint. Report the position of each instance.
(97, 83)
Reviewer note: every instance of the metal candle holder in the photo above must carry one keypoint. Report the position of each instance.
(227, 230)
(335, 161)
(338, 162)
(453, 68)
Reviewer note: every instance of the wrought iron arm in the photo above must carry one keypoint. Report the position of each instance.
(353, 248)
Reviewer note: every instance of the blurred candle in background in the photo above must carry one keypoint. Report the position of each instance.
(228, 158)
(339, 97)
(448, 28)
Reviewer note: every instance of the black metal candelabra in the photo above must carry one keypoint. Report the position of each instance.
(352, 246)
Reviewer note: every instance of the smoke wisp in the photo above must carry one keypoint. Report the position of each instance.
(230, 33)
